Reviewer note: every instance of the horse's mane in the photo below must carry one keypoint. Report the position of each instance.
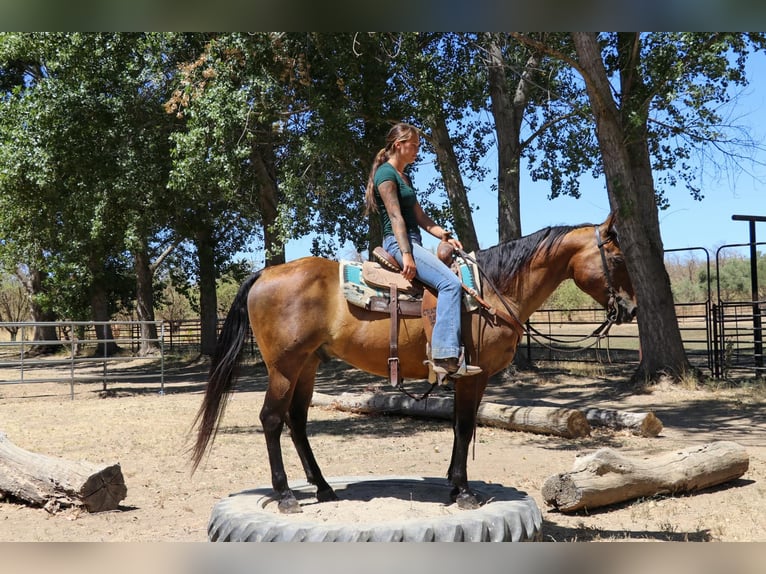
(503, 261)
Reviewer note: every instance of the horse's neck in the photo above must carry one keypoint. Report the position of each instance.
(533, 285)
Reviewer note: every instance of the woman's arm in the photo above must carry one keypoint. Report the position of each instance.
(433, 228)
(388, 193)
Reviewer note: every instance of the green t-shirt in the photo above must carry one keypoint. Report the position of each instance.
(407, 199)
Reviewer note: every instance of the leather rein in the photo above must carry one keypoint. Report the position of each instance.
(511, 319)
(602, 330)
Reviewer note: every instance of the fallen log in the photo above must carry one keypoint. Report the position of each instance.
(55, 483)
(569, 423)
(606, 477)
(643, 424)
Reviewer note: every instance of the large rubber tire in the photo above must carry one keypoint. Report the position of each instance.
(250, 516)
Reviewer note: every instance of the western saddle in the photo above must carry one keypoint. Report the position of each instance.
(388, 273)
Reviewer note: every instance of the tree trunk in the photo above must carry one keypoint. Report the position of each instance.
(643, 424)
(268, 200)
(34, 283)
(99, 304)
(55, 483)
(450, 170)
(606, 477)
(145, 301)
(568, 423)
(208, 299)
(623, 143)
(507, 115)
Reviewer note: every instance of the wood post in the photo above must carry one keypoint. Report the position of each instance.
(607, 477)
(56, 483)
(569, 423)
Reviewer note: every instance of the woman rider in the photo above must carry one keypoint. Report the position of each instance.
(390, 193)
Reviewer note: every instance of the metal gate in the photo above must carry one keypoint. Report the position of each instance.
(737, 325)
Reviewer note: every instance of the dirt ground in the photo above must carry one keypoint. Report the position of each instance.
(147, 433)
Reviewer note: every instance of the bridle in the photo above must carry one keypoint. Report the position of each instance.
(600, 332)
(514, 322)
(612, 304)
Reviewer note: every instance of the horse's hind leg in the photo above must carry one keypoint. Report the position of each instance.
(298, 416)
(273, 416)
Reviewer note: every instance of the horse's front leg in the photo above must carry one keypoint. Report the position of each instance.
(468, 393)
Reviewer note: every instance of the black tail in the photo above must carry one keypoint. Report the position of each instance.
(221, 377)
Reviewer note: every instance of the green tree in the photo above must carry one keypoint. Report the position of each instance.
(669, 91)
(224, 173)
(568, 296)
(670, 86)
(14, 304)
(82, 182)
(346, 102)
(540, 114)
(688, 278)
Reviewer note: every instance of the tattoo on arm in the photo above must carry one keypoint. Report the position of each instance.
(390, 198)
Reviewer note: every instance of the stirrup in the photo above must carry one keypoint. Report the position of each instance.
(465, 370)
(440, 374)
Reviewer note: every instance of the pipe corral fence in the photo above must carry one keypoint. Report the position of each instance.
(722, 337)
(83, 352)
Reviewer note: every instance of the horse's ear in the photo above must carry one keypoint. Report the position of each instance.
(608, 229)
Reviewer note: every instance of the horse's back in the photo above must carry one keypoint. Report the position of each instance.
(291, 304)
(308, 285)
(299, 307)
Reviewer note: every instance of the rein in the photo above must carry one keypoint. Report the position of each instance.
(599, 332)
(511, 318)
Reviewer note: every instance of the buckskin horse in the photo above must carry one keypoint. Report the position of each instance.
(300, 317)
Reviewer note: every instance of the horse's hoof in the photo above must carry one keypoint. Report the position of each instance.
(326, 495)
(466, 500)
(289, 505)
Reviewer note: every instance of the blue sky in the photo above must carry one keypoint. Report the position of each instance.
(686, 223)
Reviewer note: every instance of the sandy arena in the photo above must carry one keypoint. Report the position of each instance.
(148, 434)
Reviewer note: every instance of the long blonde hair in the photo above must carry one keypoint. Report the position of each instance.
(399, 133)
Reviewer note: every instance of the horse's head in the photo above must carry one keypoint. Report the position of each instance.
(601, 272)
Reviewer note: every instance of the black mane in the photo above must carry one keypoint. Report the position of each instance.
(503, 261)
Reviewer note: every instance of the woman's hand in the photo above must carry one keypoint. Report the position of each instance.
(455, 243)
(408, 266)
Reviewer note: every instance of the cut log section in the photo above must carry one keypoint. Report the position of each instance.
(606, 477)
(56, 483)
(643, 424)
(569, 423)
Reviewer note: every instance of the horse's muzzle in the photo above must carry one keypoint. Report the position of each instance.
(626, 310)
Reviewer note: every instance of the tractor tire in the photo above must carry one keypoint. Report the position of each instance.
(251, 516)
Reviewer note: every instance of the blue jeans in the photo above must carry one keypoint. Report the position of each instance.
(445, 339)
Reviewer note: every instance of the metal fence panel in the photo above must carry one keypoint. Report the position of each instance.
(79, 342)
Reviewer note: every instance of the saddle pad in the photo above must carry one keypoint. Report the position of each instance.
(357, 291)
(469, 275)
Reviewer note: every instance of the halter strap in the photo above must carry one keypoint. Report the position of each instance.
(614, 297)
